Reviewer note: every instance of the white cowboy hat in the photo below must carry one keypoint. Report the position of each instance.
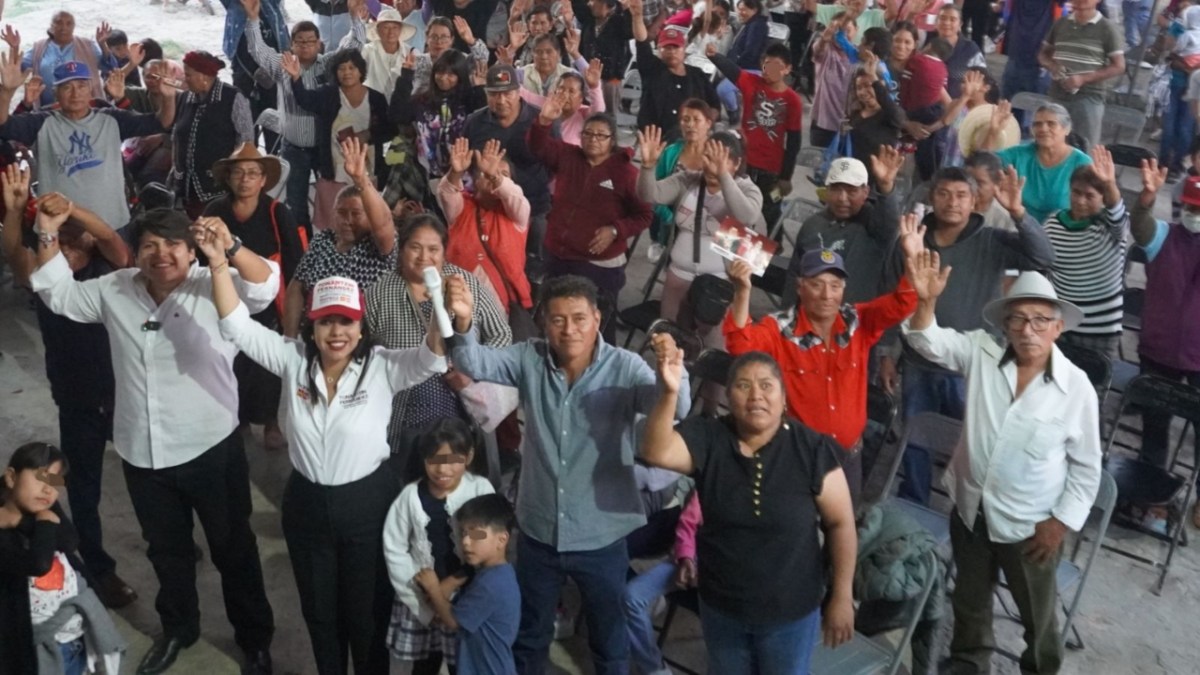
(391, 14)
(1032, 286)
(974, 128)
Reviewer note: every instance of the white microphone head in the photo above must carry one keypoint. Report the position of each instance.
(433, 277)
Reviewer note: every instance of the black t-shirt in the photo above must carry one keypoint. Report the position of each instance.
(441, 535)
(277, 238)
(758, 551)
(663, 92)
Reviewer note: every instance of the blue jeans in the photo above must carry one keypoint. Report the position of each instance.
(300, 167)
(927, 390)
(640, 595)
(600, 576)
(727, 91)
(74, 656)
(1136, 17)
(740, 647)
(1178, 127)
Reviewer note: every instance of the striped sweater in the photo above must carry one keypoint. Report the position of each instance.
(1089, 268)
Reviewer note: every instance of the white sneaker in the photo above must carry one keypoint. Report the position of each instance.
(1146, 65)
(989, 45)
(655, 252)
(1157, 135)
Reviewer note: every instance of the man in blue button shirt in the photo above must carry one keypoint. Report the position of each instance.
(578, 498)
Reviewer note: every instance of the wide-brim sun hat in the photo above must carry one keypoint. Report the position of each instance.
(1032, 286)
(974, 128)
(248, 152)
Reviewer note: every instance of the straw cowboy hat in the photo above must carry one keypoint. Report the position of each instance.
(974, 129)
(1032, 286)
(391, 14)
(248, 152)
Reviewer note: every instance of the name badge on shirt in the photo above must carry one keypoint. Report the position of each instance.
(354, 400)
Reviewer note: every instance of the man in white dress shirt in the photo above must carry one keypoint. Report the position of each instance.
(1027, 467)
(176, 417)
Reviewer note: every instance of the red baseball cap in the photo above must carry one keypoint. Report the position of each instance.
(1191, 191)
(336, 296)
(672, 36)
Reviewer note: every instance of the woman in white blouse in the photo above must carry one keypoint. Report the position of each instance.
(338, 390)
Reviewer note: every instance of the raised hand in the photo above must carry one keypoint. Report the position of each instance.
(102, 33)
(1008, 192)
(505, 55)
(669, 362)
(739, 272)
(33, 90)
(911, 236)
(137, 54)
(886, 164)
(208, 241)
(357, 8)
(464, 30)
(651, 144)
(489, 160)
(1102, 165)
(12, 37)
(114, 84)
(552, 107)
(460, 155)
(870, 63)
(594, 70)
(252, 7)
(15, 182)
(479, 76)
(571, 42)
(972, 84)
(11, 77)
(54, 204)
(518, 34)
(716, 156)
(410, 60)
(355, 155)
(51, 218)
(1153, 176)
(459, 302)
(290, 64)
(926, 274)
(1000, 115)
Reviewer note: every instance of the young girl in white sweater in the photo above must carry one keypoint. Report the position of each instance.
(420, 533)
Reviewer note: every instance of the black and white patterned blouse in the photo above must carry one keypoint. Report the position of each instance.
(362, 263)
(396, 322)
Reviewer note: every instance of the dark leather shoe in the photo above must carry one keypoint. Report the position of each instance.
(257, 662)
(114, 592)
(163, 653)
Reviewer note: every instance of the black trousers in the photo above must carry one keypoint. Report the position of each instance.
(766, 181)
(1156, 427)
(216, 487)
(334, 537)
(978, 15)
(83, 434)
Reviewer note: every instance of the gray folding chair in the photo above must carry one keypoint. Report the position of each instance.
(867, 656)
(1029, 101)
(1126, 123)
(938, 435)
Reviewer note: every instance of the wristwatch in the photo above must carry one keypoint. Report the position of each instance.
(46, 238)
(232, 251)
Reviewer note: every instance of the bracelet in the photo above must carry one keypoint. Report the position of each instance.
(217, 268)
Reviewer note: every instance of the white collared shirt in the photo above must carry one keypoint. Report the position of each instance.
(176, 395)
(343, 440)
(1023, 460)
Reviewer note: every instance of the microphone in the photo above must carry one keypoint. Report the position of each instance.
(433, 284)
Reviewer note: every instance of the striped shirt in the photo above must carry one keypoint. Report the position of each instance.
(1082, 48)
(297, 125)
(1089, 268)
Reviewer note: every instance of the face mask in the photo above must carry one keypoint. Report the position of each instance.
(1191, 222)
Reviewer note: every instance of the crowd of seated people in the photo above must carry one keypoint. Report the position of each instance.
(425, 259)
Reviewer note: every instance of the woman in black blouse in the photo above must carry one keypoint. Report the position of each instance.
(762, 570)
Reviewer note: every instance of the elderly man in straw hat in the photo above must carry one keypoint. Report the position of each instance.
(386, 50)
(1028, 465)
(266, 227)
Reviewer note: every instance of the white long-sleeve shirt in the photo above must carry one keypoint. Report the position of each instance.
(176, 395)
(333, 442)
(1024, 460)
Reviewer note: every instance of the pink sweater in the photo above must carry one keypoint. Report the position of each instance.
(685, 532)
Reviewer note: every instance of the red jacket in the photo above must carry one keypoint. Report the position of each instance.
(587, 198)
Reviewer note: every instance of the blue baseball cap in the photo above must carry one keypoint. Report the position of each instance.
(71, 70)
(815, 262)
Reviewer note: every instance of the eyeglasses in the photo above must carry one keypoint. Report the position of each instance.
(1017, 322)
(238, 174)
(595, 136)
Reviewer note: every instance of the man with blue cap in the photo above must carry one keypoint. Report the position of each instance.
(78, 148)
(823, 344)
